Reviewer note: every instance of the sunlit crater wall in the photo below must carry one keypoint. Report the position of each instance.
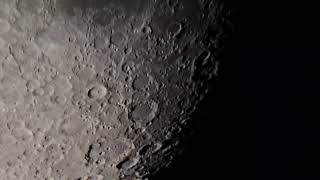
(101, 89)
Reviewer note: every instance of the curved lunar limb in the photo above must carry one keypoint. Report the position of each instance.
(100, 89)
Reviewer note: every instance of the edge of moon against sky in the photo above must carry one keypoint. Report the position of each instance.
(101, 89)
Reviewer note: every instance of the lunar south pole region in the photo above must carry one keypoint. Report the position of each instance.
(102, 89)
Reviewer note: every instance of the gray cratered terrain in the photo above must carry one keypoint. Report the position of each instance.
(101, 89)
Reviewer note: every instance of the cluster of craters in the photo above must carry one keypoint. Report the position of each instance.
(101, 89)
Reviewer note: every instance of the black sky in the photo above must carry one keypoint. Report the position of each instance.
(258, 124)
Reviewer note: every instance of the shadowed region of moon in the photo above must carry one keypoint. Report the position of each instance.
(94, 89)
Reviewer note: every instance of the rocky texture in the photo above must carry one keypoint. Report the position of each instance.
(101, 89)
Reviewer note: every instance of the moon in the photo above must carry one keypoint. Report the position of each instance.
(102, 89)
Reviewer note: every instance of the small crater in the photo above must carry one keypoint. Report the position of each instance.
(174, 29)
(53, 154)
(107, 150)
(128, 163)
(11, 67)
(95, 107)
(146, 111)
(86, 74)
(33, 85)
(128, 67)
(115, 99)
(10, 96)
(147, 30)
(118, 39)
(77, 98)
(38, 92)
(141, 82)
(59, 99)
(202, 66)
(48, 90)
(97, 92)
(22, 134)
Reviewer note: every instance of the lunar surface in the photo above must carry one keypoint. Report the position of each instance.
(101, 89)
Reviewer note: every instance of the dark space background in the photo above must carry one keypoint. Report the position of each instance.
(258, 123)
